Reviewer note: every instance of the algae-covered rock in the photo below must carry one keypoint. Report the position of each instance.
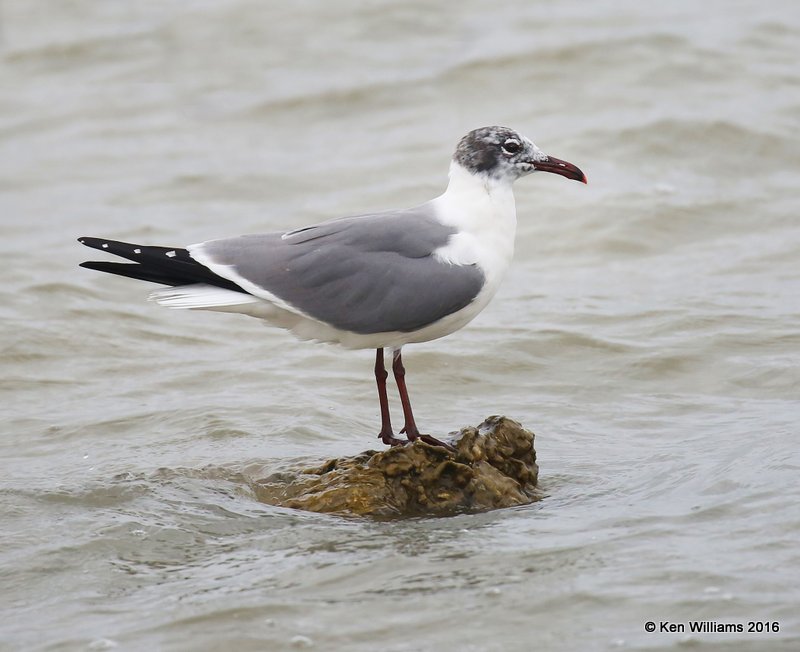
(491, 466)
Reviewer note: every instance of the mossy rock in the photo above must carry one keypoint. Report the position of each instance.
(491, 466)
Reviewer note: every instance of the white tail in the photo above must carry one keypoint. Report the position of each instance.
(199, 296)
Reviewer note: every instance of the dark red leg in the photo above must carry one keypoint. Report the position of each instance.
(386, 435)
(410, 427)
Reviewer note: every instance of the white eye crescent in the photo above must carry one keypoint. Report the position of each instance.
(512, 146)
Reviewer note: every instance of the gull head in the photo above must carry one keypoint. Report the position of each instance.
(503, 154)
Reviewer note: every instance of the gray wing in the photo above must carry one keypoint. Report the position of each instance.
(366, 274)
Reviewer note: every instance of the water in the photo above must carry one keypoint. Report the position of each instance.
(648, 330)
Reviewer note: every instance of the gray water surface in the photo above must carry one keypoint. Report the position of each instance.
(648, 331)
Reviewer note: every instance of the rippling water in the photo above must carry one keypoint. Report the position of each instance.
(649, 330)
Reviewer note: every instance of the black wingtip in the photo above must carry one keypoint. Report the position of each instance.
(90, 241)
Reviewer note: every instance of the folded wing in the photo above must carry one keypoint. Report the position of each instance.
(367, 274)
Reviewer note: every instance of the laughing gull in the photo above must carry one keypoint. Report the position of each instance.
(372, 281)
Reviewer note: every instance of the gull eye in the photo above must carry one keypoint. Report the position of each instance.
(512, 146)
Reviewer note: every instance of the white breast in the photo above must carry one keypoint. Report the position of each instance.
(484, 212)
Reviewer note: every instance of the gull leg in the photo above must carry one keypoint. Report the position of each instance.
(410, 427)
(385, 435)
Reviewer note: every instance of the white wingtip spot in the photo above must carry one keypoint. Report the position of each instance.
(171, 254)
(105, 245)
(137, 251)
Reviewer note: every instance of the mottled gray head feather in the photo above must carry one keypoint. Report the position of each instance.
(497, 152)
